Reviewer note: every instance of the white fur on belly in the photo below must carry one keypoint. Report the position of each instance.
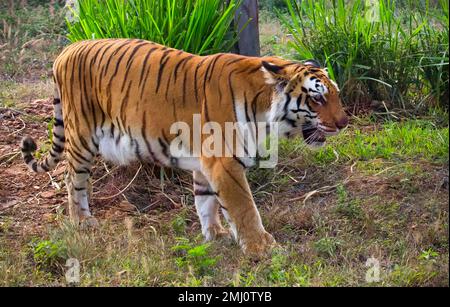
(122, 152)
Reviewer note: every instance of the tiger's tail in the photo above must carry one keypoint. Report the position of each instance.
(28, 145)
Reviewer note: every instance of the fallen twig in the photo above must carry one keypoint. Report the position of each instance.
(323, 189)
(124, 189)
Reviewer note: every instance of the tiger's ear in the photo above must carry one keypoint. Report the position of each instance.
(274, 74)
(312, 62)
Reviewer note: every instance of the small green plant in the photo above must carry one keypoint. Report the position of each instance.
(179, 224)
(428, 254)
(196, 26)
(345, 206)
(48, 254)
(246, 279)
(277, 272)
(302, 275)
(327, 246)
(195, 256)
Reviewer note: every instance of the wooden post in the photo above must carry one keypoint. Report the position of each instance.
(248, 43)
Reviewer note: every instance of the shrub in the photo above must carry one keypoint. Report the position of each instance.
(196, 26)
(196, 256)
(48, 255)
(376, 50)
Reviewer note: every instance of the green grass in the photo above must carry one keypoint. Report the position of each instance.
(396, 51)
(397, 141)
(200, 27)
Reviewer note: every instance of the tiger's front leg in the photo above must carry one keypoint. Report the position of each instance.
(227, 178)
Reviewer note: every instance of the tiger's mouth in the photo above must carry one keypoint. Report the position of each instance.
(313, 136)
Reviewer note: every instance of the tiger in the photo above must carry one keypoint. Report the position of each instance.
(117, 98)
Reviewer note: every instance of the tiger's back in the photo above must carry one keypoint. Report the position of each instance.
(126, 94)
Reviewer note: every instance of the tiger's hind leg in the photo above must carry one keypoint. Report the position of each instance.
(207, 207)
(79, 187)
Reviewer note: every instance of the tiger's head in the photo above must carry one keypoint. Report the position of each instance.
(305, 101)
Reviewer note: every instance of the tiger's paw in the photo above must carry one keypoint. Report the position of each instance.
(258, 246)
(217, 232)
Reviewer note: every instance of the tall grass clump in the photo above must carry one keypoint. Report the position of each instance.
(387, 50)
(196, 26)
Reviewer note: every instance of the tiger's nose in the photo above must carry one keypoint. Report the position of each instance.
(342, 122)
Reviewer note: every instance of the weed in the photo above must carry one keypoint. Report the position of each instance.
(428, 254)
(327, 246)
(348, 207)
(179, 225)
(195, 256)
(48, 255)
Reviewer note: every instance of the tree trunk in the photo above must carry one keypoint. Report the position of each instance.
(248, 43)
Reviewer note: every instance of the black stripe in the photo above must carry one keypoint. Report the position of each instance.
(44, 165)
(233, 178)
(124, 105)
(57, 148)
(103, 54)
(112, 56)
(195, 77)
(77, 157)
(204, 193)
(230, 85)
(84, 143)
(236, 60)
(182, 61)
(81, 171)
(28, 158)
(144, 65)
(78, 171)
(247, 117)
(61, 138)
(94, 142)
(164, 147)
(214, 66)
(147, 143)
(253, 70)
(58, 122)
(184, 86)
(163, 61)
(129, 63)
(239, 161)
